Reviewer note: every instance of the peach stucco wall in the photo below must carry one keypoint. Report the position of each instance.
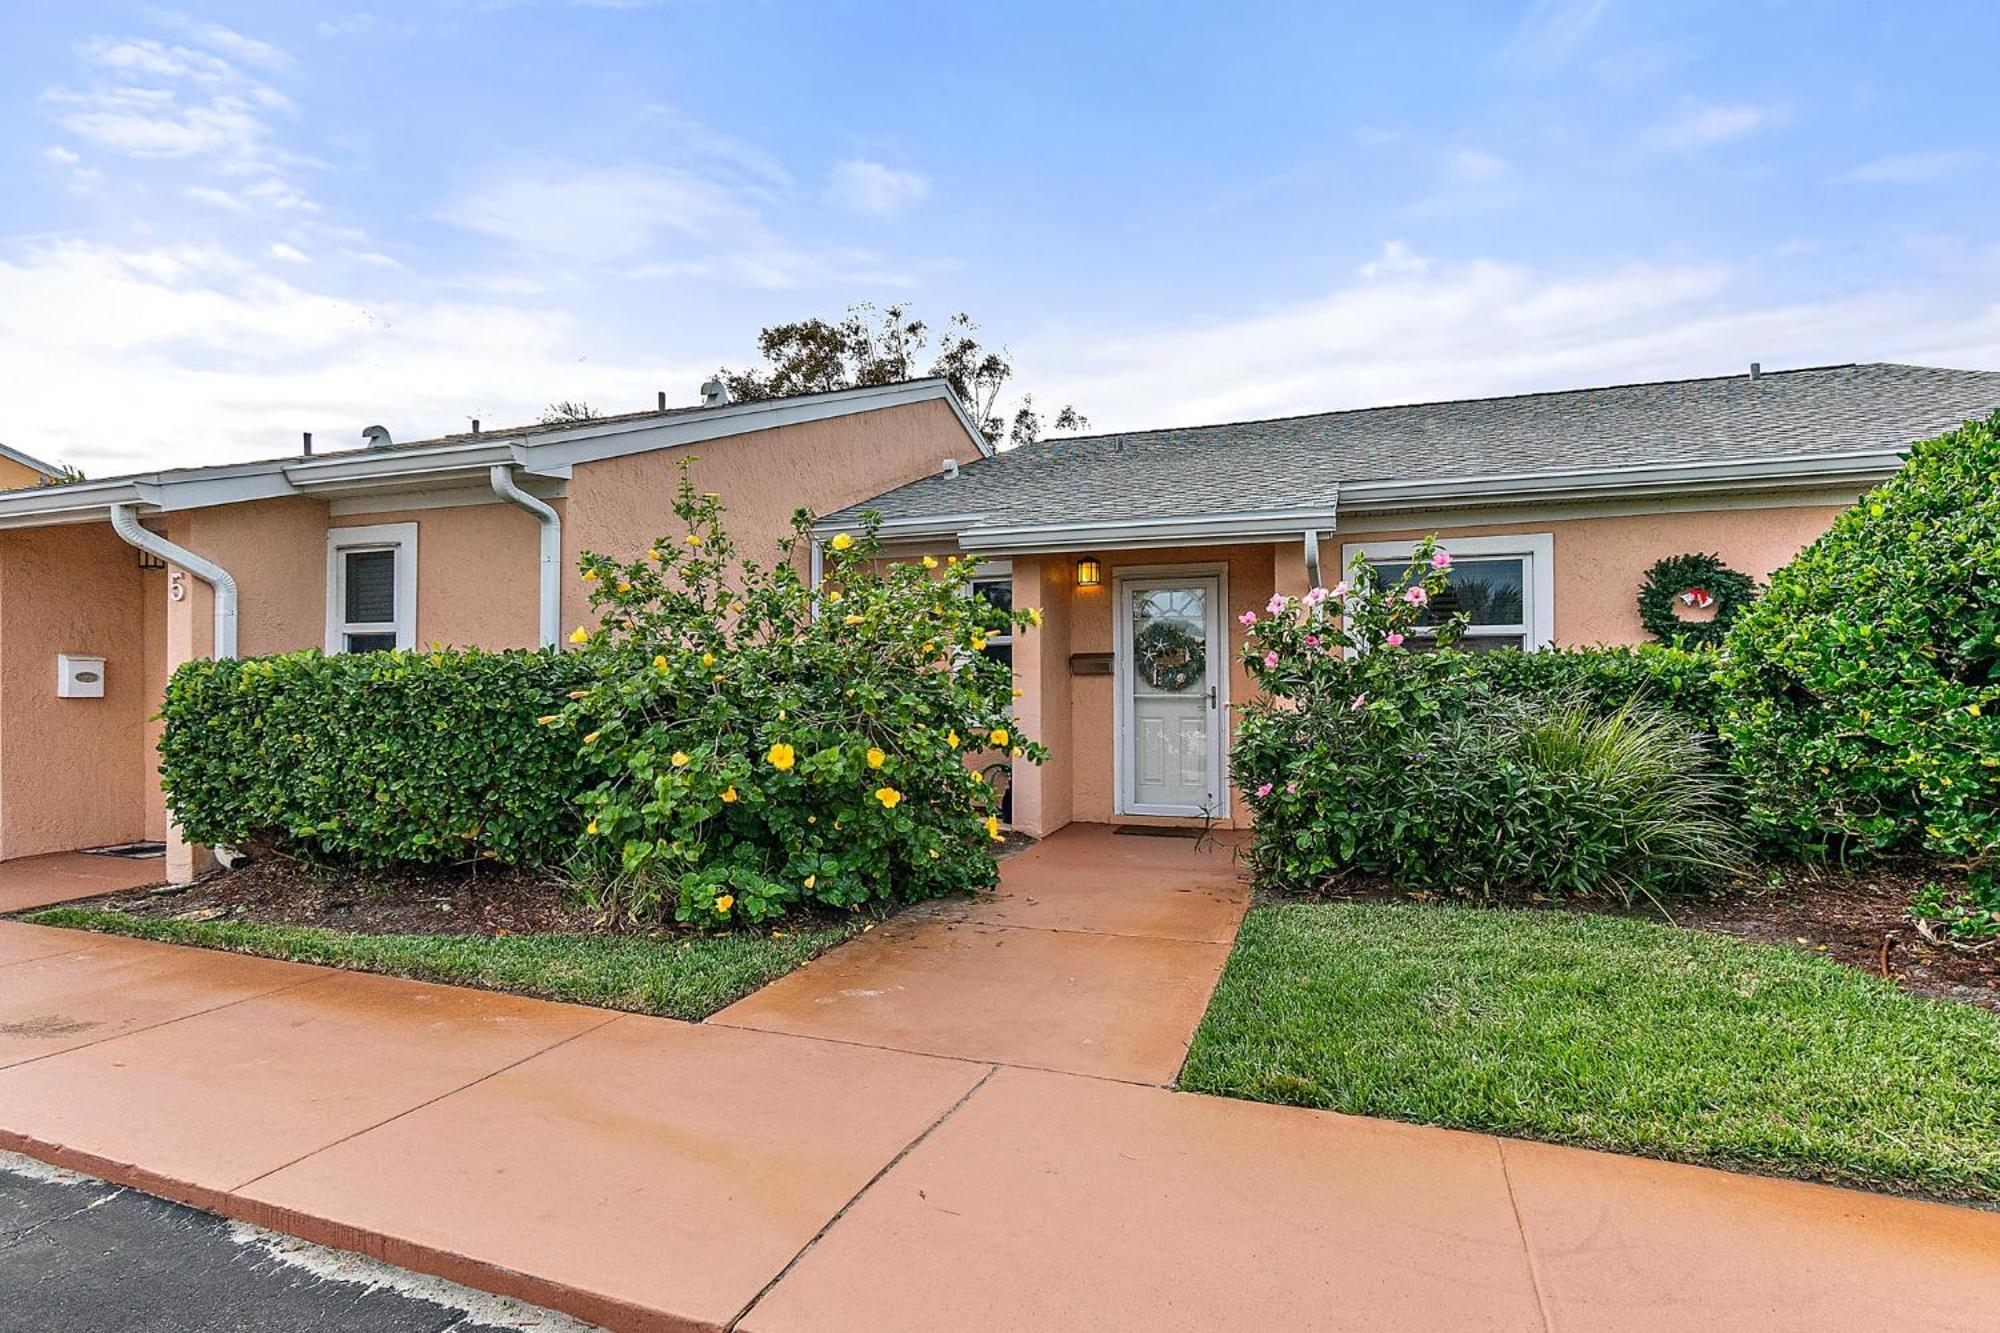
(1601, 561)
(622, 504)
(78, 774)
(16, 475)
(73, 772)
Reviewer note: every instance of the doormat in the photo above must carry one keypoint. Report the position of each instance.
(1152, 831)
(130, 851)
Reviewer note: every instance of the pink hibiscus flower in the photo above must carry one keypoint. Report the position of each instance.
(1263, 791)
(1276, 604)
(1416, 596)
(1442, 560)
(1393, 640)
(1271, 658)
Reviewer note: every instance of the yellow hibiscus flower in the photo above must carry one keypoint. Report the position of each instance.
(993, 828)
(875, 756)
(811, 880)
(729, 796)
(930, 562)
(660, 663)
(782, 757)
(724, 903)
(708, 659)
(998, 735)
(692, 539)
(548, 720)
(591, 739)
(889, 797)
(850, 620)
(951, 738)
(579, 635)
(591, 827)
(680, 759)
(590, 576)
(842, 542)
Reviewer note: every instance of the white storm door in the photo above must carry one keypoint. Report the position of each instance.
(1172, 664)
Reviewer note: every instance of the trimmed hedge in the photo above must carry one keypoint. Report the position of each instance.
(1678, 681)
(1864, 685)
(373, 759)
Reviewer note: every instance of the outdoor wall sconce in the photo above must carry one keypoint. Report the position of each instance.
(1089, 572)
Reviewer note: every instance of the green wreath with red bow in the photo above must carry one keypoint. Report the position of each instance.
(1699, 582)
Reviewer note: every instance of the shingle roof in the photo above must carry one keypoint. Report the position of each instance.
(1291, 463)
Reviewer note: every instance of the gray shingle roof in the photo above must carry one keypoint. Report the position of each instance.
(1290, 463)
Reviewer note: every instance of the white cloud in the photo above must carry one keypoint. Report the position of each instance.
(1701, 124)
(1476, 167)
(1453, 330)
(876, 190)
(143, 98)
(291, 254)
(1396, 258)
(215, 198)
(1911, 168)
(124, 359)
(1549, 34)
(655, 222)
(61, 156)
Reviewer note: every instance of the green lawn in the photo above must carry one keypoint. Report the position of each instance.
(688, 976)
(1611, 1033)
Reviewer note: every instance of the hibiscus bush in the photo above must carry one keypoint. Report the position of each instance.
(757, 744)
(1864, 686)
(1475, 774)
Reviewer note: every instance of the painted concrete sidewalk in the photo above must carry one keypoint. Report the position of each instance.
(650, 1174)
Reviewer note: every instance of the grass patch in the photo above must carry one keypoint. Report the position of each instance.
(688, 976)
(1610, 1033)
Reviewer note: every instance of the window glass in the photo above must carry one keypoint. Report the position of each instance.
(371, 588)
(370, 643)
(1488, 589)
(996, 592)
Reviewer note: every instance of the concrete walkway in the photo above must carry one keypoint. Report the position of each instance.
(649, 1174)
(38, 881)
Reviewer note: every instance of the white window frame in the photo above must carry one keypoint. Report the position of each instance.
(1537, 552)
(398, 537)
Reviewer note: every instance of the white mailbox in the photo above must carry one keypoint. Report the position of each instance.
(79, 677)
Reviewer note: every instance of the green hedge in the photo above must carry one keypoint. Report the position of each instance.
(1678, 681)
(1864, 686)
(376, 758)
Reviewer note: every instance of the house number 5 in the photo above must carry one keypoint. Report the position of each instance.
(176, 587)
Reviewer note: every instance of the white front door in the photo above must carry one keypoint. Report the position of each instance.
(1172, 669)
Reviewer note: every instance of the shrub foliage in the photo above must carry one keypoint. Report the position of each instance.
(755, 744)
(375, 758)
(1484, 775)
(1864, 687)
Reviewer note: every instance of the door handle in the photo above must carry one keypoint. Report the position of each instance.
(1211, 696)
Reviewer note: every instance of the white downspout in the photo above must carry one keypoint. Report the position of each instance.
(125, 522)
(1312, 558)
(505, 487)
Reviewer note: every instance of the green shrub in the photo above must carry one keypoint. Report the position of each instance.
(1864, 686)
(756, 745)
(1482, 775)
(375, 758)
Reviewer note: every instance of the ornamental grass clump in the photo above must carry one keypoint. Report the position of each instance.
(1443, 774)
(757, 744)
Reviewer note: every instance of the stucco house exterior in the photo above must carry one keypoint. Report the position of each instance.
(472, 539)
(1553, 504)
(18, 470)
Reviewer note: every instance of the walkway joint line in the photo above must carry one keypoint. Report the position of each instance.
(326, 974)
(428, 1101)
(887, 1167)
(1521, 1225)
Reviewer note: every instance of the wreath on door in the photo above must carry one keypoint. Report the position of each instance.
(1170, 656)
(1697, 581)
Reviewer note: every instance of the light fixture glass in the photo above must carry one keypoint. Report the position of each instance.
(1089, 572)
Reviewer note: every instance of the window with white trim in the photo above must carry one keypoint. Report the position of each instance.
(1504, 586)
(995, 586)
(371, 588)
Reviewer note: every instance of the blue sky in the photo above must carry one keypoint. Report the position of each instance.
(226, 223)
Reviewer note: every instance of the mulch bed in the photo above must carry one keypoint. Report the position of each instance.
(475, 900)
(278, 892)
(1860, 918)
